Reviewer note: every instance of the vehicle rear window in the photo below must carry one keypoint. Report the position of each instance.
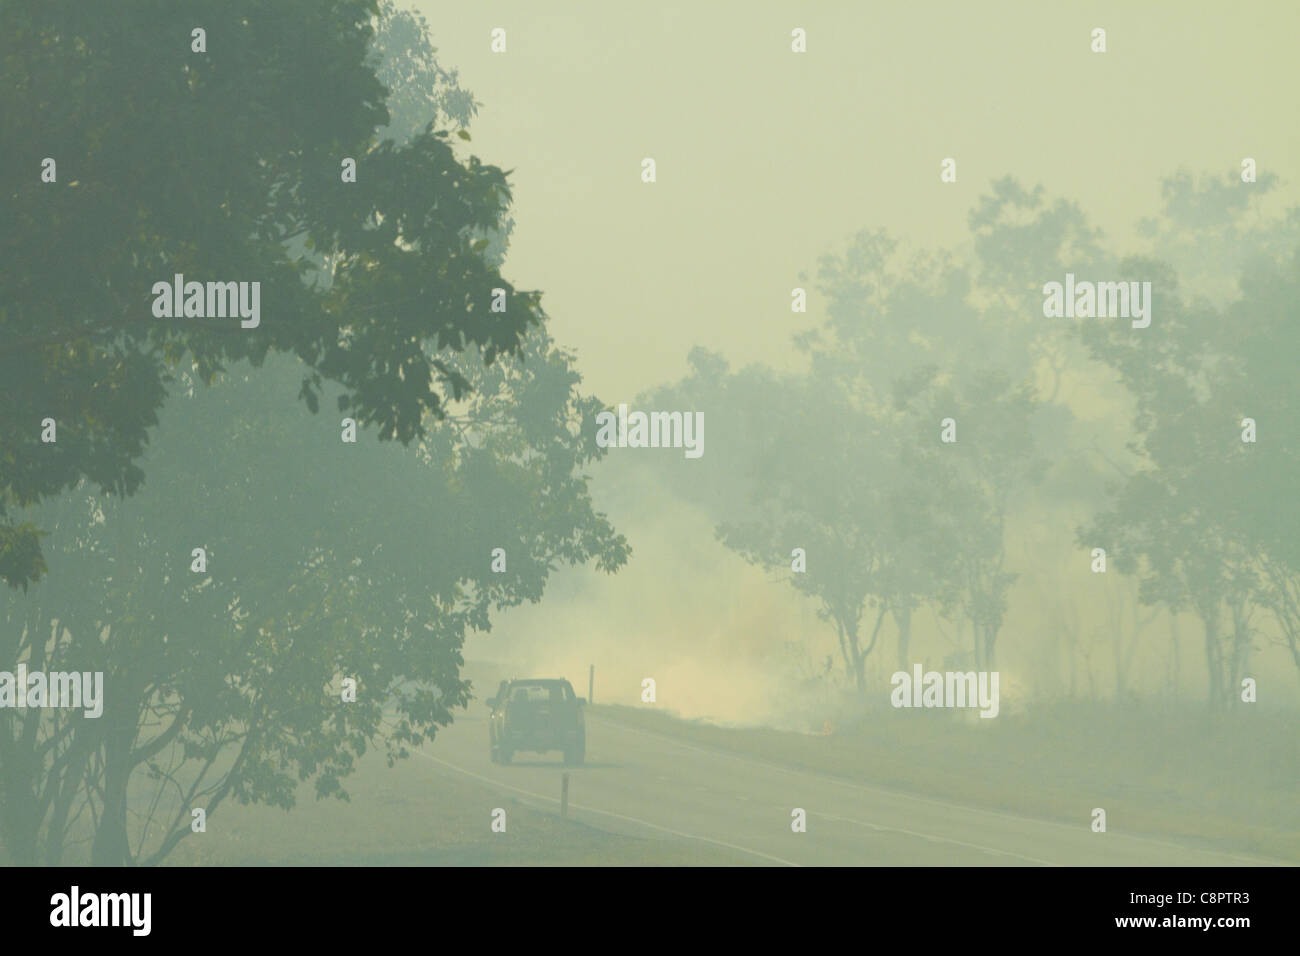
(537, 693)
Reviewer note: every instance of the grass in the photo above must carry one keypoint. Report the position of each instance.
(1231, 784)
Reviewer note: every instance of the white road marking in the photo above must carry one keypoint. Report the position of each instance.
(937, 839)
(608, 813)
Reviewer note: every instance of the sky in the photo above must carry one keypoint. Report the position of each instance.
(767, 159)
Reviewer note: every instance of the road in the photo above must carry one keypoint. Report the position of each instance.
(647, 784)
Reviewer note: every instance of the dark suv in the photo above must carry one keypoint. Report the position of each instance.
(537, 715)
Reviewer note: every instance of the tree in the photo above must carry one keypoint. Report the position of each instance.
(222, 165)
(325, 559)
(909, 343)
(847, 463)
(1208, 522)
(826, 498)
(975, 483)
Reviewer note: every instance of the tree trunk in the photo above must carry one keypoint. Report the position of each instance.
(69, 786)
(903, 618)
(1213, 656)
(112, 845)
(858, 661)
(1176, 661)
(840, 631)
(19, 813)
(1240, 652)
(861, 656)
(991, 646)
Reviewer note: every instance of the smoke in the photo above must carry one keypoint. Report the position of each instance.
(710, 630)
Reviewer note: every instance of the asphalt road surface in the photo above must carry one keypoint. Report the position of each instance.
(647, 784)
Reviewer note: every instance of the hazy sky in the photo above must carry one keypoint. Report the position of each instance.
(768, 159)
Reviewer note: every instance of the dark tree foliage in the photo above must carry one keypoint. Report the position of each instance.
(223, 166)
(323, 560)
